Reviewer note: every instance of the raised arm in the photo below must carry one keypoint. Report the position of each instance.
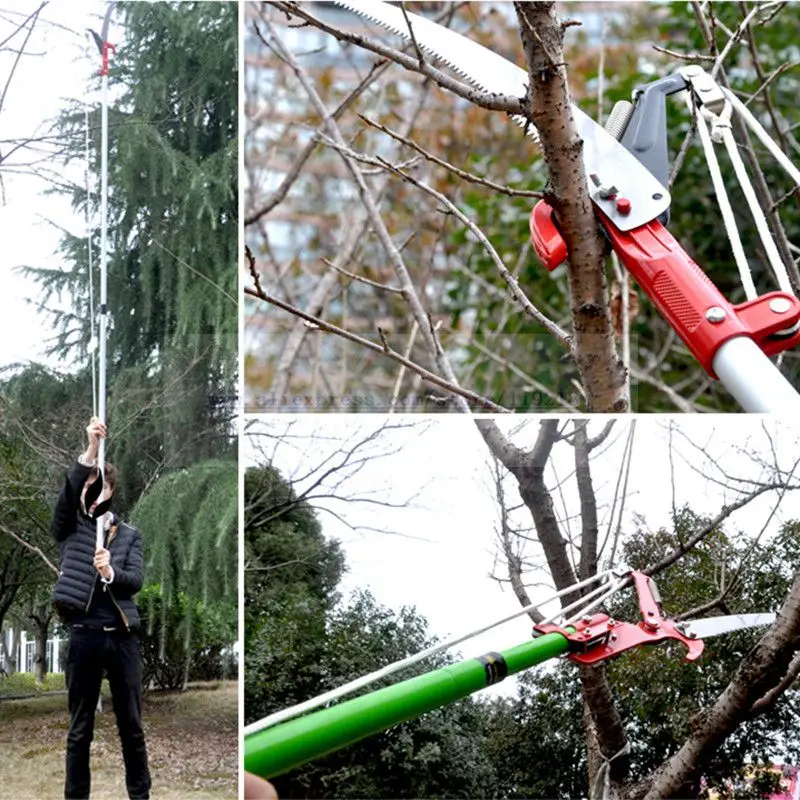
(65, 513)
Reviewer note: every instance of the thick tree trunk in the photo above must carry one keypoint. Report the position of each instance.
(528, 467)
(40, 661)
(583, 477)
(41, 615)
(550, 110)
(762, 669)
(7, 653)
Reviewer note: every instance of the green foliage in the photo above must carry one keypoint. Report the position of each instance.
(301, 640)
(286, 554)
(22, 683)
(188, 521)
(536, 741)
(183, 639)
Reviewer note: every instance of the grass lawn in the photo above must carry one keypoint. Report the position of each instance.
(191, 740)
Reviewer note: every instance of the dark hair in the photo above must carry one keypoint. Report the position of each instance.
(109, 475)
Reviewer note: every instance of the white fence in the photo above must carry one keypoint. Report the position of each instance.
(26, 654)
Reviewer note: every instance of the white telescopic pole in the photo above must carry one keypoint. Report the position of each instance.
(101, 391)
(103, 332)
(753, 380)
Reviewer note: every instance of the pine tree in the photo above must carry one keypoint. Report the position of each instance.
(172, 240)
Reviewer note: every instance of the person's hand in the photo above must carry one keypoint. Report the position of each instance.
(95, 431)
(256, 788)
(102, 562)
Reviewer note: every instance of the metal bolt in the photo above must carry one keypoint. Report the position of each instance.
(651, 613)
(586, 620)
(623, 206)
(587, 632)
(611, 623)
(608, 192)
(614, 637)
(780, 305)
(715, 315)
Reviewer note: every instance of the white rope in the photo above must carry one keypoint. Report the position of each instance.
(721, 132)
(765, 138)
(775, 261)
(612, 590)
(365, 680)
(601, 789)
(728, 219)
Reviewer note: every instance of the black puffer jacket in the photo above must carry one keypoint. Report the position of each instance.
(76, 534)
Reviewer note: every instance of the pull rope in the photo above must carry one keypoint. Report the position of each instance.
(601, 789)
(721, 132)
(348, 688)
(728, 219)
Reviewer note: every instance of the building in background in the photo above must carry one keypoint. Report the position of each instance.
(18, 652)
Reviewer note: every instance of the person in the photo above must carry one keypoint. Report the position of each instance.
(256, 788)
(94, 596)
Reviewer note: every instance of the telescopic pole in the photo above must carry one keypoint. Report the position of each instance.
(273, 751)
(106, 48)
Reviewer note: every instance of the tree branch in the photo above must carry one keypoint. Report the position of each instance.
(549, 108)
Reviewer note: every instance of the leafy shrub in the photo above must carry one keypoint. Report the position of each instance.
(183, 640)
(21, 683)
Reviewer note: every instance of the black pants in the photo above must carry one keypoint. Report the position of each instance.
(91, 653)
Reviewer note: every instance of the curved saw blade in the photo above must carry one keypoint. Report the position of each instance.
(715, 626)
(603, 155)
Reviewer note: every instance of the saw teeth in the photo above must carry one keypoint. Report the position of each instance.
(403, 34)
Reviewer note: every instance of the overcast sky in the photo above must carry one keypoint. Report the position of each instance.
(59, 66)
(441, 552)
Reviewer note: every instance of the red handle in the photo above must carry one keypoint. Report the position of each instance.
(683, 293)
(107, 48)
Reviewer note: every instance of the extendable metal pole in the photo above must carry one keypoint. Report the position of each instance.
(753, 380)
(272, 751)
(103, 332)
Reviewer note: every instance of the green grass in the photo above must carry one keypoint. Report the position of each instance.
(192, 742)
(25, 683)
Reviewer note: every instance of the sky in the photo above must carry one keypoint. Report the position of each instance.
(59, 65)
(440, 552)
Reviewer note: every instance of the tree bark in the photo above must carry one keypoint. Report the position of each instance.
(7, 654)
(528, 468)
(761, 671)
(41, 615)
(583, 477)
(549, 109)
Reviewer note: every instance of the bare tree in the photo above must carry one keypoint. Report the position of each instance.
(574, 548)
(326, 466)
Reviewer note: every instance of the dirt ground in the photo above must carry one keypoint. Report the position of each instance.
(191, 741)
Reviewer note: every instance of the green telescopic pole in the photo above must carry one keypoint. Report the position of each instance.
(283, 747)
